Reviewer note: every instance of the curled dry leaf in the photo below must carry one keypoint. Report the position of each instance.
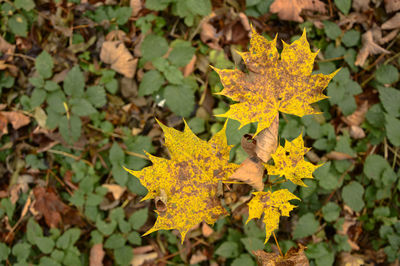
(116, 190)
(6, 48)
(392, 5)
(16, 118)
(206, 230)
(96, 255)
(267, 140)
(336, 155)
(136, 6)
(358, 117)
(189, 68)
(251, 171)
(357, 132)
(291, 9)
(369, 48)
(209, 35)
(249, 145)
(197, 257)
(348, 259)
(140, 259)
(294, 256)
(121, 60)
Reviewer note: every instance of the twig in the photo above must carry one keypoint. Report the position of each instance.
(330, 59)
(276, 241)
(70, 156)
(136, 154)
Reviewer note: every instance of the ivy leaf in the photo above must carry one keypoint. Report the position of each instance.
(273, 85)
(189, 180)
(289, 162)
(273, 205)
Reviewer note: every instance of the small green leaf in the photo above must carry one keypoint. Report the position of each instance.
(151, 82)
(123, 255)
(352, 195)
(18, 25)
(390, 99)
(96, 95)
(343, 5)
(153, 46)
(157, 5)
(115, 241)
(392, 126)
(70, 128)
(38, 97)
(4, 251)
(332, 30)
(45, 244)
(351, 38)
(138, 218)
(117, 155)
(134, 238)
(244, 259)
(173, 75)
(252, 243)
(69, 238)
(123, 13)
(21, 251)
(81, 107)
(228, 249)
(331, 211)
(387, 74)
(44, 64)
(200, 7)
(306, 226)
(181, 54)
(33, 230)
(74, 82)
(51, 86)
(374, 166)
(106, 228)
(28, 5)
(180, 99)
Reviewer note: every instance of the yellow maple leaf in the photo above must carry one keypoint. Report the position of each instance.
(274, 83)
(189, 179)
(273, 205)
(289, 162)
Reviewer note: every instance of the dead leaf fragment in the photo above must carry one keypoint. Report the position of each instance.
(267, 140)
(197, 257)
(392, 5)
(336, 155)
(140, 259)
(294, 256)
(136, 6)
(96, 255)
(17, 119)
(251, 171)
(121, 60)
(358, 117)
(291, 9)
(189, 68)
(209, 35)
(393, 23)
(348, 259)
(116, 190)
(357, 132)
(369, 48)
(7, 48)
(206, 230)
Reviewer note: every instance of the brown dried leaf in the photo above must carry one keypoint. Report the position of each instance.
(348, 259)
(197, 257)
(189, 68)
(3, 124)
(6, 48)
(249, 145)
(136, 6)
(291, 9)
(357, 132)
(267, 140)
(17, 119)
(369, 47)
(96, 255)
(393, 23)
(121, 60)
(360, 5)
(49, 204)
(392, 5)
(294, 256)
(115, 189)
(358, 117)
(251, 171)
(206, 230)
(209, 36)
(335, 155)
(140, 259)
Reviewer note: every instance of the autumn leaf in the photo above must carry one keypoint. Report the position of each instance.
(289, 162)
(273, 205)
(291, 9)
(187, 183)
(121, 60)
(294, 256)
(274, 83)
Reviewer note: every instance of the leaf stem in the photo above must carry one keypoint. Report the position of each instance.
(276, 241)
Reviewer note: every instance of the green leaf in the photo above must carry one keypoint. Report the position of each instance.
(134, 238)
(51, 86)
(196, 124)
(343, 5)
(38, 97)
(306, 226)
(123, 14)
(374, 166)
(244, 259)
(6, 81)
(181, 54)
(96, 95)
(387, 74)
(351, 38)
(18, 25)
(47, 261)
(151, 82)
(200, 7)
(180, 99)
(123, 255)
(392, 126)
(380, 212)
(106, 228)
(138, 218)
(115, 241)
(45, 244)
(153, 46)
(352, 195)
(58, 255)
(44, 64)
(28, 5)
(69, 238)
(331, 212)
(228, 249)
(4, 251)
(33, 230)
(55, 101)
(321, 253)
(332, 30)
(390, 99)
(157, 5)
(70, 128)
(173, 75)
(117, 155)
(74, 82)
(342, 241)
(81, 107)
(252, 244)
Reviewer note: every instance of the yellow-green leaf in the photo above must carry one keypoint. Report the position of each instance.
(274, 83)
(189, 179)
(273, 205)
(289, 162)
